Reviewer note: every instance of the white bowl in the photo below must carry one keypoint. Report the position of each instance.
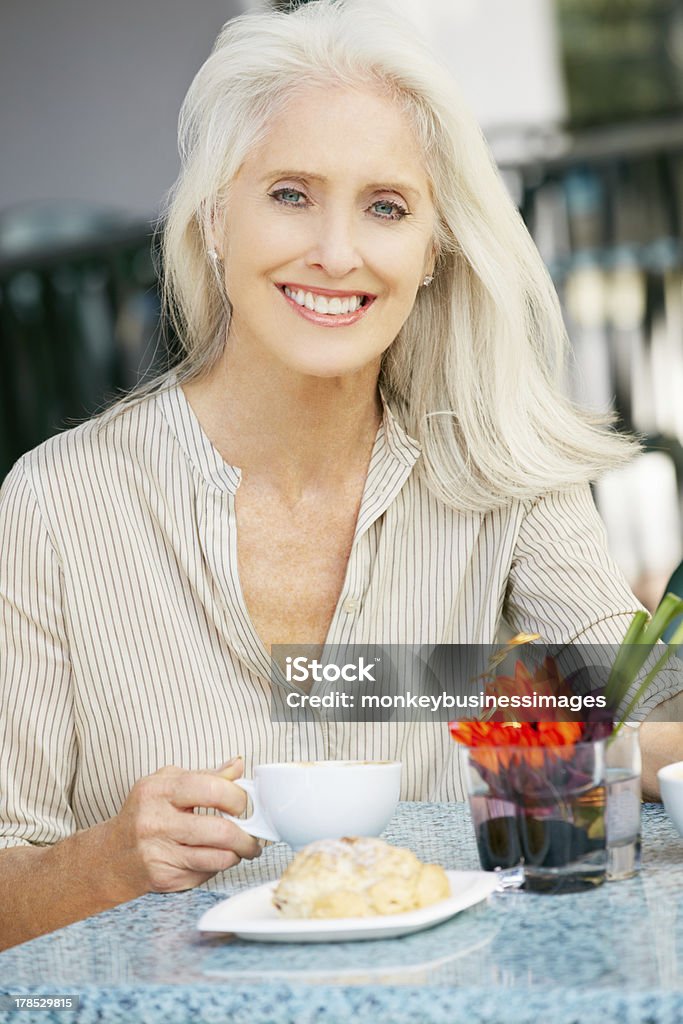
(671, 787)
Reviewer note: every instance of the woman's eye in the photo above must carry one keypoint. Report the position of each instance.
(385, 209)
(289, 196)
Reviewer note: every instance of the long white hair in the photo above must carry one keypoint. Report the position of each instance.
(476, 372)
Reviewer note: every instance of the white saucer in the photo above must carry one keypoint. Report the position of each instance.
(251, 915)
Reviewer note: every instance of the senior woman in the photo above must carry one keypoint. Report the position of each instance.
(364, 442)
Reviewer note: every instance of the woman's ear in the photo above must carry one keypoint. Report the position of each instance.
(432, 257)
(212, 224)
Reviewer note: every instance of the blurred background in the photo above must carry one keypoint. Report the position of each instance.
(582, 104)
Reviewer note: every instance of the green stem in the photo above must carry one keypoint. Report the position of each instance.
(636, 646)
(669, 608)
(624, 663)
(672, 647)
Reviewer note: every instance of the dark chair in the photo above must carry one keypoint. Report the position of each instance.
(78, 313)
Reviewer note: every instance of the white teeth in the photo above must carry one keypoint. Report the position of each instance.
(321, 304)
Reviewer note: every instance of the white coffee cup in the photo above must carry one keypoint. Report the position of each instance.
(671, 787)
(300, 801)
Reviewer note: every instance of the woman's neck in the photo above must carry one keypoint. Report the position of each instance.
(296, 433)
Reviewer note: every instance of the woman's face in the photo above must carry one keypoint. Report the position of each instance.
(327, 234)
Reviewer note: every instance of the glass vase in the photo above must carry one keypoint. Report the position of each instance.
(623, 774)
(541, 807)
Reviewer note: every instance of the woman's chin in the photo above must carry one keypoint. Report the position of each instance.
(325, 367)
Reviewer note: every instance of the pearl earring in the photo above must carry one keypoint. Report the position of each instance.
(428, 280)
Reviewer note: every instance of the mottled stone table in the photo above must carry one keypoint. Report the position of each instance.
(603, 956)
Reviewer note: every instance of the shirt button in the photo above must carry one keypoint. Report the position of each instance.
(351, 605)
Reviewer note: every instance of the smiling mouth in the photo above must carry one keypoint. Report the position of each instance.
(345, 307)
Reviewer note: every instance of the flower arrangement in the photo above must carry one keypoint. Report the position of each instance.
(528, 763)
(519, 728)
(536, 787)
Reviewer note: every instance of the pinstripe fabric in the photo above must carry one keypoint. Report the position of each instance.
(125, 643)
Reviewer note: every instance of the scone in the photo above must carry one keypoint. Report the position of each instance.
(353, 877)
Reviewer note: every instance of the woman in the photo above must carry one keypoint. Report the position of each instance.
(364, 443)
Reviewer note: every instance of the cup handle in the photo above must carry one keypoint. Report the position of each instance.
(258, 824)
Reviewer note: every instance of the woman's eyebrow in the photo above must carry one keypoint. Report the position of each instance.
(379, 186)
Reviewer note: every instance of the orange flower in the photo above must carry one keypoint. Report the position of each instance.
(559, 734)
(499, 744)
(526, 760)
(545, 681)
(517, 734)
(476, 734)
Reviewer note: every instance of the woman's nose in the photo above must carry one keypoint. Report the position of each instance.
(335, 248)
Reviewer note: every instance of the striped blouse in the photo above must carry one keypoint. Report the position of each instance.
(126, 645)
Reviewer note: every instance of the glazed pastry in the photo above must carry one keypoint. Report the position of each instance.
(353, 877)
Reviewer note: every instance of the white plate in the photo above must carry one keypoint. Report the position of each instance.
(251, 915)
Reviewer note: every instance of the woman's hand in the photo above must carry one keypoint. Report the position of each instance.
(157, 844)
(154, 844)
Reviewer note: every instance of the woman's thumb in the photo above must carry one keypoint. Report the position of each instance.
(232, 769)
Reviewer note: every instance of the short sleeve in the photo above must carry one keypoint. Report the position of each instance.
(37, 732)
(564, 585)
